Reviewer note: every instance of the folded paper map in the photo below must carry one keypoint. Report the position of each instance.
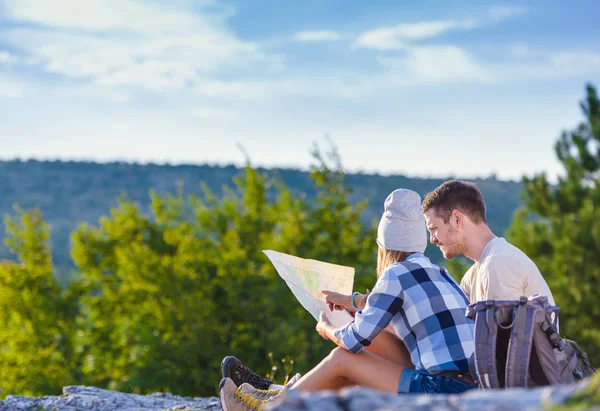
(307, 278)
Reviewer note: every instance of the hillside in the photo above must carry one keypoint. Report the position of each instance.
(71, 192)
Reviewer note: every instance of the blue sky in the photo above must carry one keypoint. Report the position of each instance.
(428, 88)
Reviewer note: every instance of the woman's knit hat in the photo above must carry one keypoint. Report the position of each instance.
(402, 226)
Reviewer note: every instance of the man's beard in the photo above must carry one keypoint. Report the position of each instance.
(450, 253)
(454, 246)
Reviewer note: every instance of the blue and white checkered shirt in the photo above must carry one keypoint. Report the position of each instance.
(426, 309)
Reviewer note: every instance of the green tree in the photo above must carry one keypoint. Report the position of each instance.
(37, 317)
(165, 296)
(559, 228)
(457, 267)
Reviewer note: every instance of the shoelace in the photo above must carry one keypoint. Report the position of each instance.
(249, 400)
(264, 394)
(267, 392)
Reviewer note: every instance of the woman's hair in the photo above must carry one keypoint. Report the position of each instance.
(385, 258)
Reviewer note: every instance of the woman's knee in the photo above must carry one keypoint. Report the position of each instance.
(339, 356)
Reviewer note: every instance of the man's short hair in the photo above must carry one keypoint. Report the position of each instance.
(456, 195)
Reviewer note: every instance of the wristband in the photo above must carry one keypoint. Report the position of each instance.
(354, 294)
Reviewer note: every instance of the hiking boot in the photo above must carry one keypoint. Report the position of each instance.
(234, 369)
(270, 393)
(234, 399)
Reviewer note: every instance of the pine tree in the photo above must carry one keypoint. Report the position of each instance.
(559, 228)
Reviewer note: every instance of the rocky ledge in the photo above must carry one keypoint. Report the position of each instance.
(583, 395)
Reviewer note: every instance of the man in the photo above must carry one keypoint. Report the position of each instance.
(455, 217)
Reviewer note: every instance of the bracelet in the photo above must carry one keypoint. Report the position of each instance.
(354, 294)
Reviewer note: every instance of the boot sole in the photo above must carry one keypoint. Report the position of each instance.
(221, 398)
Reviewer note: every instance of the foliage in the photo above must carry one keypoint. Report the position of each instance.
(36, 315)
(457, 267)
(280, 374)
(559, 227)
(587, 399)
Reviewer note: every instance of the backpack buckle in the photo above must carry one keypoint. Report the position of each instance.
(552, 335)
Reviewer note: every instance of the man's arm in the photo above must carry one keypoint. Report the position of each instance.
(466, 282)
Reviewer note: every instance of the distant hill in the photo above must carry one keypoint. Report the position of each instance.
(70, 192)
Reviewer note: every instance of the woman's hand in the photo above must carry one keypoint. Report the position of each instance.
(327, 330)
(324, 326)
(337, 301)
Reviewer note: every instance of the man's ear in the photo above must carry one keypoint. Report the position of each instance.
(457, 219)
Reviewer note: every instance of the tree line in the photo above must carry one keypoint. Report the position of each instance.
(69, 192)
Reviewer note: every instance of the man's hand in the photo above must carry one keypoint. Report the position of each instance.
(324, 327)
(337, 301)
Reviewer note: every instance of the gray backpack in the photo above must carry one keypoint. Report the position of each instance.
(516, 345)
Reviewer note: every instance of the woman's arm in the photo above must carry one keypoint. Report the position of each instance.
(381, 305)
(361, 301)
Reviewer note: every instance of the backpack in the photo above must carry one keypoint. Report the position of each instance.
(516, 345)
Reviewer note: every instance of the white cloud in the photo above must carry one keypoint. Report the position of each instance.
(129, 43)
(152, 74)
(211, 113)
(98, 92)
(9, 88)
(557, 65)
(8, 58)
(401, 36)
(519, 50)
(247, 90)
(102, 15)
(317, 36)
(436, 64)
(398, 37)
(576, 59)
(499, 13)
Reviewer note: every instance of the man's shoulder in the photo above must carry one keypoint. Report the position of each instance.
(504, 252)
(508, 258)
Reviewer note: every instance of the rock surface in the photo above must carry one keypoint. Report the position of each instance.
(355, 399)
(80, 398)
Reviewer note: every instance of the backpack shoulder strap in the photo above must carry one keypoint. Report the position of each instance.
(519, 347)
(486, 330)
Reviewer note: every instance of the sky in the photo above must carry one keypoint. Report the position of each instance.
(427, 88)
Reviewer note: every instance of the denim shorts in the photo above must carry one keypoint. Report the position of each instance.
(414, 381)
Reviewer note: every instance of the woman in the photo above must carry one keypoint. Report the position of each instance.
(418, 303)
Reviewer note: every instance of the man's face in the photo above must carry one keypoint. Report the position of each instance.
(444, 235)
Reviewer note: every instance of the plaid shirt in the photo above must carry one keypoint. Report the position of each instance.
(426, 309)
